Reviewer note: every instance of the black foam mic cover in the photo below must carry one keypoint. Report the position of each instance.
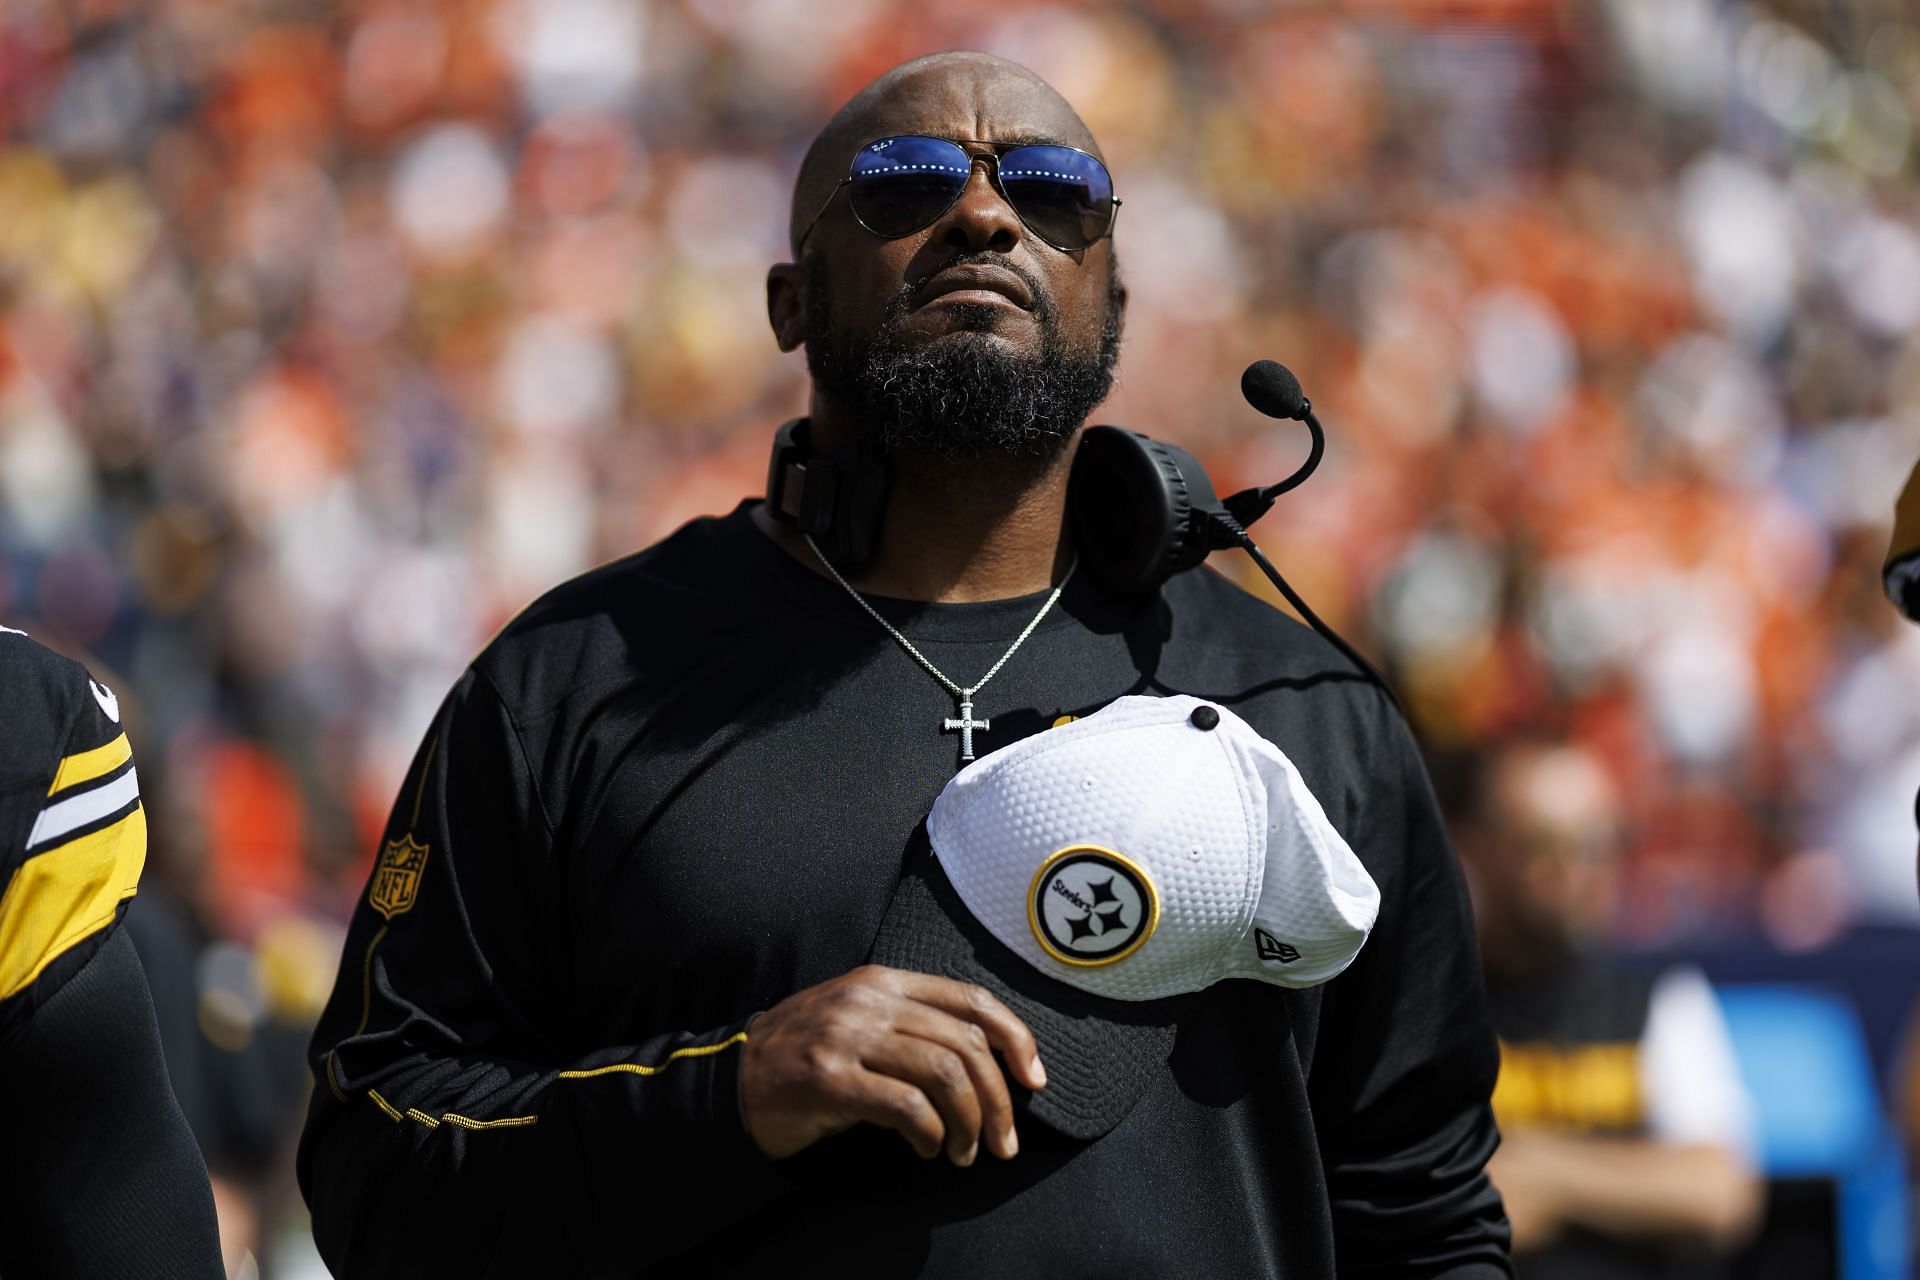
(1270, 387)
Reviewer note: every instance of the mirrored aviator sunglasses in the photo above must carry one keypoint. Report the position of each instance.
(902, 184)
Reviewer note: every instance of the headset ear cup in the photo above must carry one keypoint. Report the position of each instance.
(1130, 509)
(837, 499)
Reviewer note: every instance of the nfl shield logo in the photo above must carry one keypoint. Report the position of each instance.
(396, 881)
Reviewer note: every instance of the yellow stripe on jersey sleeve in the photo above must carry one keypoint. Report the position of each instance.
(85, 766)
(66, 894)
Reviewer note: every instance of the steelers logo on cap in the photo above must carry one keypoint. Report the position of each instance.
(1091, 906)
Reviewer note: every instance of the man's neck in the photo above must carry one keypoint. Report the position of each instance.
(959, 531)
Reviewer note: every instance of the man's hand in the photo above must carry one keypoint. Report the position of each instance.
(906, 1051)
(1692, 1195)
(1523, 1171)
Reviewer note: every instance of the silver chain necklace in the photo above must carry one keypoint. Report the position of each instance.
(964, 724)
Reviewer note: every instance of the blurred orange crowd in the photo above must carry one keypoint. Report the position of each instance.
(332, 334)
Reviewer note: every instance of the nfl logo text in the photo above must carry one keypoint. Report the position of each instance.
(396, 880)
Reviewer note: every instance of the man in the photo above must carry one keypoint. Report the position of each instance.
(604, 1009)
(100, 1175)
(1624, 1119)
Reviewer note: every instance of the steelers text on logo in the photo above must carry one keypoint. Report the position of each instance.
(1090, 905)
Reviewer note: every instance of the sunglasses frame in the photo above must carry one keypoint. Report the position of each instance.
(992, 158)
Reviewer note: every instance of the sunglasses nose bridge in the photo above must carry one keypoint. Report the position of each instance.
(1004, 218)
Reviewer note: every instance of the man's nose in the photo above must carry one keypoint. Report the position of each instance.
(981, 219)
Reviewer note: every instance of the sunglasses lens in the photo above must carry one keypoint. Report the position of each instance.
(1065, 196)
(902, 184)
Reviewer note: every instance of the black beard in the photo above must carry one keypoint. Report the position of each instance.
(966, 396)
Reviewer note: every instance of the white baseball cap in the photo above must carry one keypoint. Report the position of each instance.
(1097, 875)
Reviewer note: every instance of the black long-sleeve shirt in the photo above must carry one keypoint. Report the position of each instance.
(680, 788)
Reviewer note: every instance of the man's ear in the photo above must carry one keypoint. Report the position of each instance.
(787, 304)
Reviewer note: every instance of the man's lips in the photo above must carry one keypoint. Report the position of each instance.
(975, 284)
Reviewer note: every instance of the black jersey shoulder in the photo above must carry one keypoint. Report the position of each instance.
(650, 614)
(51, 709)
(1281, 675)
(1214, 611)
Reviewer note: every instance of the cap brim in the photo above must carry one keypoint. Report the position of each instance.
(1100, 1055)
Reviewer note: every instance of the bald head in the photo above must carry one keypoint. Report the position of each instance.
(998, 100)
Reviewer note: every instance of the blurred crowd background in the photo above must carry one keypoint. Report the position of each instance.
(331, 334)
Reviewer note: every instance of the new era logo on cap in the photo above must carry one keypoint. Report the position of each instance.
(1269, 947)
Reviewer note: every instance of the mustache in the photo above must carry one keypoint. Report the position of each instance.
(902, 302)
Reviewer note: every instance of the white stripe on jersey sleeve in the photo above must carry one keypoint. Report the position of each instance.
(71, 814)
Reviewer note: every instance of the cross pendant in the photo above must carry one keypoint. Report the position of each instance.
(966, 724)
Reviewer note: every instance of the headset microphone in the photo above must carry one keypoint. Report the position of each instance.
(1141, 510)
(1271, 388)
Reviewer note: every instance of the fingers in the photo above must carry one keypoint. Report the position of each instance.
(968, 1041)
(942, 1076)
(1005, 1031)
(892, 1103)
(905, 1051)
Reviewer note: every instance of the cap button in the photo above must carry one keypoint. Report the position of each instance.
(1204, 718)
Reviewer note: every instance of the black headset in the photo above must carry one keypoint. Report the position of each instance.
(1139, 510)
(838, 499)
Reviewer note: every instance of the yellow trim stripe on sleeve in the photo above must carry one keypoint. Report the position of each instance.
(332, 1083)
(65, 894)
(505, 1122)
(85, 766)
(418, 1116)
(641, 1069)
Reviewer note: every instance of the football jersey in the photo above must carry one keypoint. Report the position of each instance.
(73, 836)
